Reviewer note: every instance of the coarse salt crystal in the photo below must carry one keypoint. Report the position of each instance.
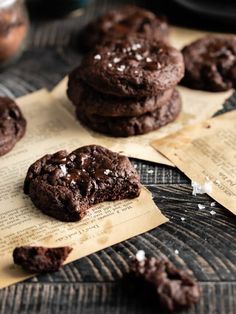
(140, 256)
(109, 65)
(63, 169)
(72, 182)
(107, 171)
(213, 204)
(136, 47)
(116, 60)
(177, 252)
(135, 72)
(150, 171)
(212, 212)
(148, 59)
(97, 57)
(200, 206)
(201, 189)
(138, 57)
(121, 68)
(182, 218)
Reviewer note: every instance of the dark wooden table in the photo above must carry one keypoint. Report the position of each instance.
(206, 243)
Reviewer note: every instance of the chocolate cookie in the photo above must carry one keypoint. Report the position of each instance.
(91, 101)
(129, 126)
(40, 259)
(174, 288)
(12, 125)
(210, 63)
(65, 185)
(132, 67)
(121, 23)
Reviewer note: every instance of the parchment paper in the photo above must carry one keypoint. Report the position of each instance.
(51, 128)
(207, 151)
(197, 106)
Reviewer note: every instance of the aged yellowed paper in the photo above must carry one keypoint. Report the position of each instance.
(197, 106)
(206, 152)
(50, 128)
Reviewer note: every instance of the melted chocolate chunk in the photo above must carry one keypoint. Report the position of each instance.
(210, 63)
(65, 185)
(40, 259)
(175, 288)
(12, 125)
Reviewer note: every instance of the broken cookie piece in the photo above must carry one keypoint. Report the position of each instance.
(175, 288)
(40, 259)
(64, 185)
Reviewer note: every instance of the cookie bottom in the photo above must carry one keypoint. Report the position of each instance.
(130, 126)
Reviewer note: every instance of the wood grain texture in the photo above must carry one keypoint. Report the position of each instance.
(206, 243)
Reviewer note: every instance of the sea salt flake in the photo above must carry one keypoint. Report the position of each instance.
(140, 256)
(97, 57)
(182, 218)
(138, 57)
(212, 212)
(200, 206)
(201, 189)
(177, 252)
(63, 169)
(150, 171)
(148, 59)
(107, 172)
(116, 60)
(121, 68)
(136, 47)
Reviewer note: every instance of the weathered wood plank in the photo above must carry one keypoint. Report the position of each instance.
(96, 298)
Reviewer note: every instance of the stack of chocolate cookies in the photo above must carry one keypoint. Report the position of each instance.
(125, 86)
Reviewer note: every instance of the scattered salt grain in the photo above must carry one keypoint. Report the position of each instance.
(212, 212)
(109, 65)
(63, 169)
(150, 171)
(177, 252)
(138, 57)
(135, 166)
(200, 206)
(213, 204)
(182, 218)
(107, 171)
(116, 60)
(97, 57)
(136, 47)
(201, 189)
(121, 68)
(148, 59)
(140, 256)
